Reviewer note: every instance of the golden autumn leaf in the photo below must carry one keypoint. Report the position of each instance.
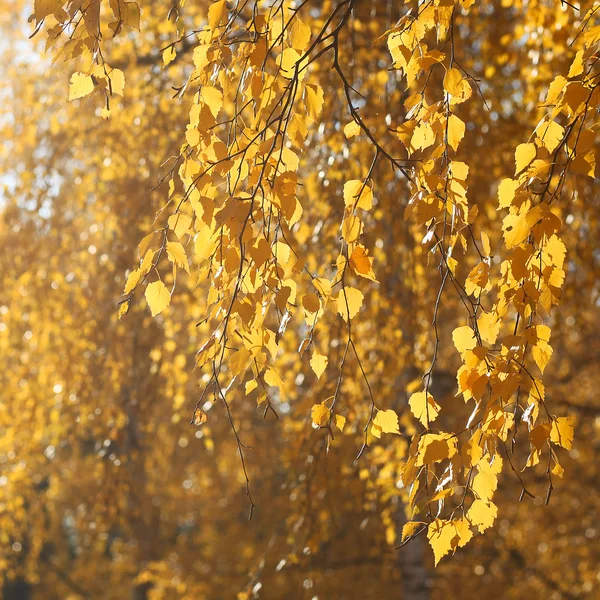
(411, 528)
(351, 228)
(311, 302)
(361, 263)
(217, 13)
(349, 302)
(435, 447)
(132, 280)
(352, 129)
(158, 297)
(424, 407)
(550, 134)
(562, 432)
(320, 414)
(288, 60)
(213, 98)
(299, 35)
(358, 194)
(464, 339)
(318, 363)
(81, 85)
(169, 55)
(441, 535)
(456, 131)
(200, 417)
(524, 154)
(239, 361)
(387, 421)
(180, 223)
(506, 192)
(457, 86)
(43, 8)
(177, 255)
(482, 514)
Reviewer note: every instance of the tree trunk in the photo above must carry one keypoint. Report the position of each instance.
(415, 576)
(17, 589)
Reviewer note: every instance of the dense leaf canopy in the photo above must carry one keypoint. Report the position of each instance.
(332, 266)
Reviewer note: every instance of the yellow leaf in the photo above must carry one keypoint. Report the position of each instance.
(424, 407)
(169, 55)
(299, 35)
(200, 417)
(314, 99)
(147, 261)
(180, 223)
(349, 302)
(123, 309)
(351, 228)
(272, 378)
(556, 250)
(213, 98)
(542, 352)
(43, 8)
(477, 279)
(472, 451)
(387, 421)
(318, 362)
(340, 422)
(555, 89)
(320, 414)
(158, 297)
(456, 131)
(577, 65)
(362, 263)
(551, 134)
(441, 535)
(239, 361)
(464, 339)
(81, 85)
(459, 170)
(435, 447)
(352, 129)
(464, 532)
(117, 81)
(515, 229)
(489, 327)
(410, 528)
(250, 386)
(358, 194)
(217, 13)
(485, 482)
(423, 136)
(524, 154)
(177, 255)
(208, 351)
(506, 192)
(132, 280)
(562, 432)
(287, 61)
(486, 247)
(311, 303)
(482, 514)
(458, 87)
(558, 470)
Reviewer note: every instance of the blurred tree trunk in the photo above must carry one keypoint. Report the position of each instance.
(140, 592)
(412, 559)
(17, 589)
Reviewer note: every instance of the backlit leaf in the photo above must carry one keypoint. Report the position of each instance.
(158, 297)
